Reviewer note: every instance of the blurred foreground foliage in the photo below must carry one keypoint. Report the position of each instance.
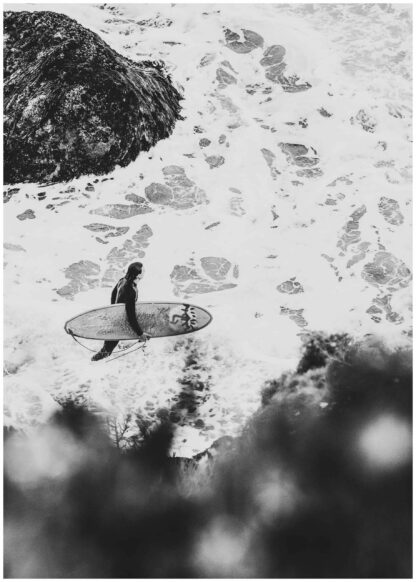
(318, 485)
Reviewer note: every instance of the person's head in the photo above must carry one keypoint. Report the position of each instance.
(134, 271)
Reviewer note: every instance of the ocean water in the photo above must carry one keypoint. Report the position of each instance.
(290, 212)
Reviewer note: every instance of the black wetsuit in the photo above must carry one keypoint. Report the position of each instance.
(124, 292)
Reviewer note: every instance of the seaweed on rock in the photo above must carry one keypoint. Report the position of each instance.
(74, 106)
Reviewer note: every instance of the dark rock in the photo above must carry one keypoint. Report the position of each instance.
(215, 161)
(28, 214)
(112, 274)
(173, 170)
(188, 279)
(183, 273)
(343, 179)
(296, 315)
(291, 287)
(274, 73)
(225, 78)
(117, 231)
(157, 21)
(273, 55)
(204, 142)
(390, 209)
(384, 164)
(290, 84)
(158, 193)
(133, 198)
(296, 154)
(310, 173)
(216, 267)
(214, 224)
(131, 250)
(386, 269)
(97, 227)
(274, 68)
(324, 112)
(252, 89)
(74, 106)
(207, 59)
(110, 230)
(351, 230)
(122, 211)
(179, 191)
(236, 206)
(252, 40)
(229, 65)
(305, 162)
(270, 160)
(10, 192)
(383, 304)
(12, 247)
(360, 255)
(83, 275)
(365, 120)
(231, 36)
(293, 149)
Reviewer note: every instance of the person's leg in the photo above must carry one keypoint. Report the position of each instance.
(105, 351)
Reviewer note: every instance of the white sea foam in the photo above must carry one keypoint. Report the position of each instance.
(356, 58)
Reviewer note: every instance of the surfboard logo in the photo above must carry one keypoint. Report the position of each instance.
(187, 319)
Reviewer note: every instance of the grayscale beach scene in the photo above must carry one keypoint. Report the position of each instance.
(253, 162)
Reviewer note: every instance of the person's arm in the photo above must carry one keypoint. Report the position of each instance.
(114, 295)
(131, 313)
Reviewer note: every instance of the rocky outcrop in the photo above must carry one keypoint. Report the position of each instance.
(390, 210)
(74, 106)
(275, 67)
(178, 192)
(211, 274)
(251, 41)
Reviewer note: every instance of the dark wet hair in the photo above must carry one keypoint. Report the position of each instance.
(133, 270)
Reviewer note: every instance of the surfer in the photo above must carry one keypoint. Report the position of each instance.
(125, 292)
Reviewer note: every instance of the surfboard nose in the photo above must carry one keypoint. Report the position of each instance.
(204, 317)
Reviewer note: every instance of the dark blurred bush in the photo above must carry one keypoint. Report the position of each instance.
(319, 485)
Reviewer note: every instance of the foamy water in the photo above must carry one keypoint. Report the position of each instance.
(326, 251)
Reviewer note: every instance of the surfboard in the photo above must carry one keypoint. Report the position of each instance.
(156, 318)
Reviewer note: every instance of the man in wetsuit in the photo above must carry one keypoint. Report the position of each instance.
(125, 292)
